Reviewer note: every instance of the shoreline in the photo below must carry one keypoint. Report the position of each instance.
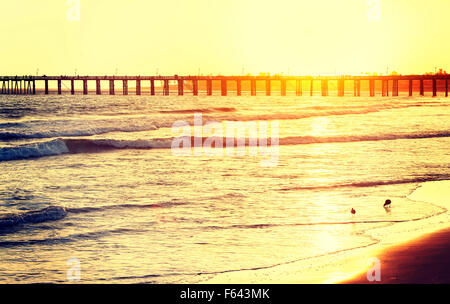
(425, 260)
(428, 237)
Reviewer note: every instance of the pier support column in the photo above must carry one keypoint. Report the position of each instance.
(59, 87)
(46, 87)
(34, 87)
(372, 87)
(72, 87)
(238, 87)
(383, 87)
(410, 88)
(283, 87)
(180, 87)
(98, 88)
(152, 87)
(85, 87)
(446, 87)
(209, 87)
(422, 91)
(111, 87)
(223, 87)
(268, 87)
(29, 89)
(138, 87)
(125, 86)
(166, 87)
(298, 87)
(253, 87)
(324, 87)
(311, 87)
(195, 87)
(434, 87)
(395, 87)
(341, 87)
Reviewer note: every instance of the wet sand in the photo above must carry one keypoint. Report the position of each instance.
(425, 260)
(411, 252)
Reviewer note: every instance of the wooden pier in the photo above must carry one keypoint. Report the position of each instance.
(26, 85)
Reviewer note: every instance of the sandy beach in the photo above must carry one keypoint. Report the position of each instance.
(425, 260)
(409, 252)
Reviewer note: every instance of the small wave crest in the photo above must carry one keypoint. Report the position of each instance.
(372, 183)
(103, 208)
(51, 213)
(53, 147)
(193, 111)
(7, 136)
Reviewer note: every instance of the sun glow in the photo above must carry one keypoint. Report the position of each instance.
(228, 37)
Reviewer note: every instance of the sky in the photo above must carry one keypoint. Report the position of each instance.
(227, 37)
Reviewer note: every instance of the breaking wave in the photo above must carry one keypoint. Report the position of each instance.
(51, 213)
(63, 146)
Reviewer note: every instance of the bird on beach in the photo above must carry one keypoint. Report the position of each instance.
(353, 211)
(387, 203)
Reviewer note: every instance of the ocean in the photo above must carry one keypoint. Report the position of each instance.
(93, 182)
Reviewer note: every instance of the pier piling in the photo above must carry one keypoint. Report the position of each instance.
(395, 87)
(298, 87)
(59, 87)
(223, 86)
(253, 87)
(283, 87)
(238, 87)
(209, 87)
(324, 87)
(125, 86)
(446, 87)
(180, 87)
(98, 89)
(372, 87)
(166, 91)
(72, 87)
(138, 87)
(268, 87)
(111, 87)
(85, 87)
(194, 87)
(434, 87)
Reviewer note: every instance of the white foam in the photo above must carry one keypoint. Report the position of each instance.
(53, 147)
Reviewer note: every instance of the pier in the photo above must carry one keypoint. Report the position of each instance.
(27, 85)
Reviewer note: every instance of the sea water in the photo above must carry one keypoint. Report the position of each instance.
(93, 179)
